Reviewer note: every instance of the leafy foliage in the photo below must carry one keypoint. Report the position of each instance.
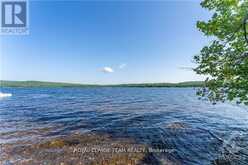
(225, 60)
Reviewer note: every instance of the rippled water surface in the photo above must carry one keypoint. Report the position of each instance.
(195, 131)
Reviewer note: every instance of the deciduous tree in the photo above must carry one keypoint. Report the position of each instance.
(225, 60)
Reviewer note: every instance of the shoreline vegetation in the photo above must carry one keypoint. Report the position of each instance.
(5, 83)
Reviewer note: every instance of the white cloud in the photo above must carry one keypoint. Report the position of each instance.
(107, 70)
(122, 66)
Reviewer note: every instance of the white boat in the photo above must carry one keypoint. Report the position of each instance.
(5, 95)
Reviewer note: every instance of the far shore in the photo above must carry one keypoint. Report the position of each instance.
(5, 83)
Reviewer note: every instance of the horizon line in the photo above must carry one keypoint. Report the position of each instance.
(80, 83)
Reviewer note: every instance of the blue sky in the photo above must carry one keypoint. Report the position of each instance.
(106, 42)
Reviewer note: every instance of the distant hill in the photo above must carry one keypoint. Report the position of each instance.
(5, 83)
(181, 84)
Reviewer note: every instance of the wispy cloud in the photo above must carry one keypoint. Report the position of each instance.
(107, 70)
(122, 66)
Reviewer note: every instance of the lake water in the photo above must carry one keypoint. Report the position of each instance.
(193, 131)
